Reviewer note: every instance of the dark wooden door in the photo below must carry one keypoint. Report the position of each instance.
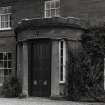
(41, 68)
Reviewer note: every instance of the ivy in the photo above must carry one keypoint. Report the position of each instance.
(87, 80)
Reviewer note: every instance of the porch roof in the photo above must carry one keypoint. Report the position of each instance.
(69, 22)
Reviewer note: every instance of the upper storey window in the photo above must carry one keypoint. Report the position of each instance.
(52, 8)
(5, 20)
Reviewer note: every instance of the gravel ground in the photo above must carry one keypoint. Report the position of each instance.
(41, 101)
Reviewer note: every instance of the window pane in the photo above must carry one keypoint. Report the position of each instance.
(5, 56)
(48, 13)
(57, 4)
(5, 64)
(1, 56)
(5, 72)
(1, 64)
(52, 12)
(2, 25)
(6, 18)
(1, 75)
(6, 24)
(9, 71)
(61, 73)
(61, 52)
(2, 18)
(61, 44)
(52, 4)
(47, 5)
(61, 60)
(9, 64)
(9, 56)
(57, 12)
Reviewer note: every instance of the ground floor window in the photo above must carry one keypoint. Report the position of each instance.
(5, 66)
(62, 60)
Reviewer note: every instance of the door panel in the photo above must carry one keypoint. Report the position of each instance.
(41, 68)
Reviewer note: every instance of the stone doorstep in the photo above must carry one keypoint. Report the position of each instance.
(62, 98)
(44, 98)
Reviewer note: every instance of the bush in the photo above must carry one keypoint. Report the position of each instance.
(11, 87)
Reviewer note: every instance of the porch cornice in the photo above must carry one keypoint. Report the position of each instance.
(58, 22)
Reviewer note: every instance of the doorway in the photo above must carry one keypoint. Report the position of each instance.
(41, 68)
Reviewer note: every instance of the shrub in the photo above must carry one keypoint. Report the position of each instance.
(11, 87)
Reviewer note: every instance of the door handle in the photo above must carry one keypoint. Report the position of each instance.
(45, 83)
(35, 82)
(40, 81)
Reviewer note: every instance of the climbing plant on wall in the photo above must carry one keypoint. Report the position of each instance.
(87, 79)
(93, 42)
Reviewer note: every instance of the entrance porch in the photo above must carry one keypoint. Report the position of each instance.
(38, 68)
(42, 55)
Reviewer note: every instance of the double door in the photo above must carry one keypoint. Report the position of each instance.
(41, 68)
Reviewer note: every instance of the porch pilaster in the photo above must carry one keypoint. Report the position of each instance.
(25, 69)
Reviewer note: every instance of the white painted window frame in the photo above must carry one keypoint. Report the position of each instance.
(64, 62)
(8, 21)
(50, 9)
(7, 68)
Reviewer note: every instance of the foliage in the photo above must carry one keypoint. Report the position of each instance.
(85, 77)
(93, 42)
(11, 87)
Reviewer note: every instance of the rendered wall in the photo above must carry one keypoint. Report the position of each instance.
(55, 89)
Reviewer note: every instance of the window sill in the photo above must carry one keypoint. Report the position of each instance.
(4, 29)
(62, 82)
(52, 17)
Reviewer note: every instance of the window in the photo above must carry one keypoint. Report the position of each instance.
(62, 61)
(5, 15)
(52, 8)
(5, 66)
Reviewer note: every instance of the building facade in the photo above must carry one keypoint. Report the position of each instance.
(42, 34)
